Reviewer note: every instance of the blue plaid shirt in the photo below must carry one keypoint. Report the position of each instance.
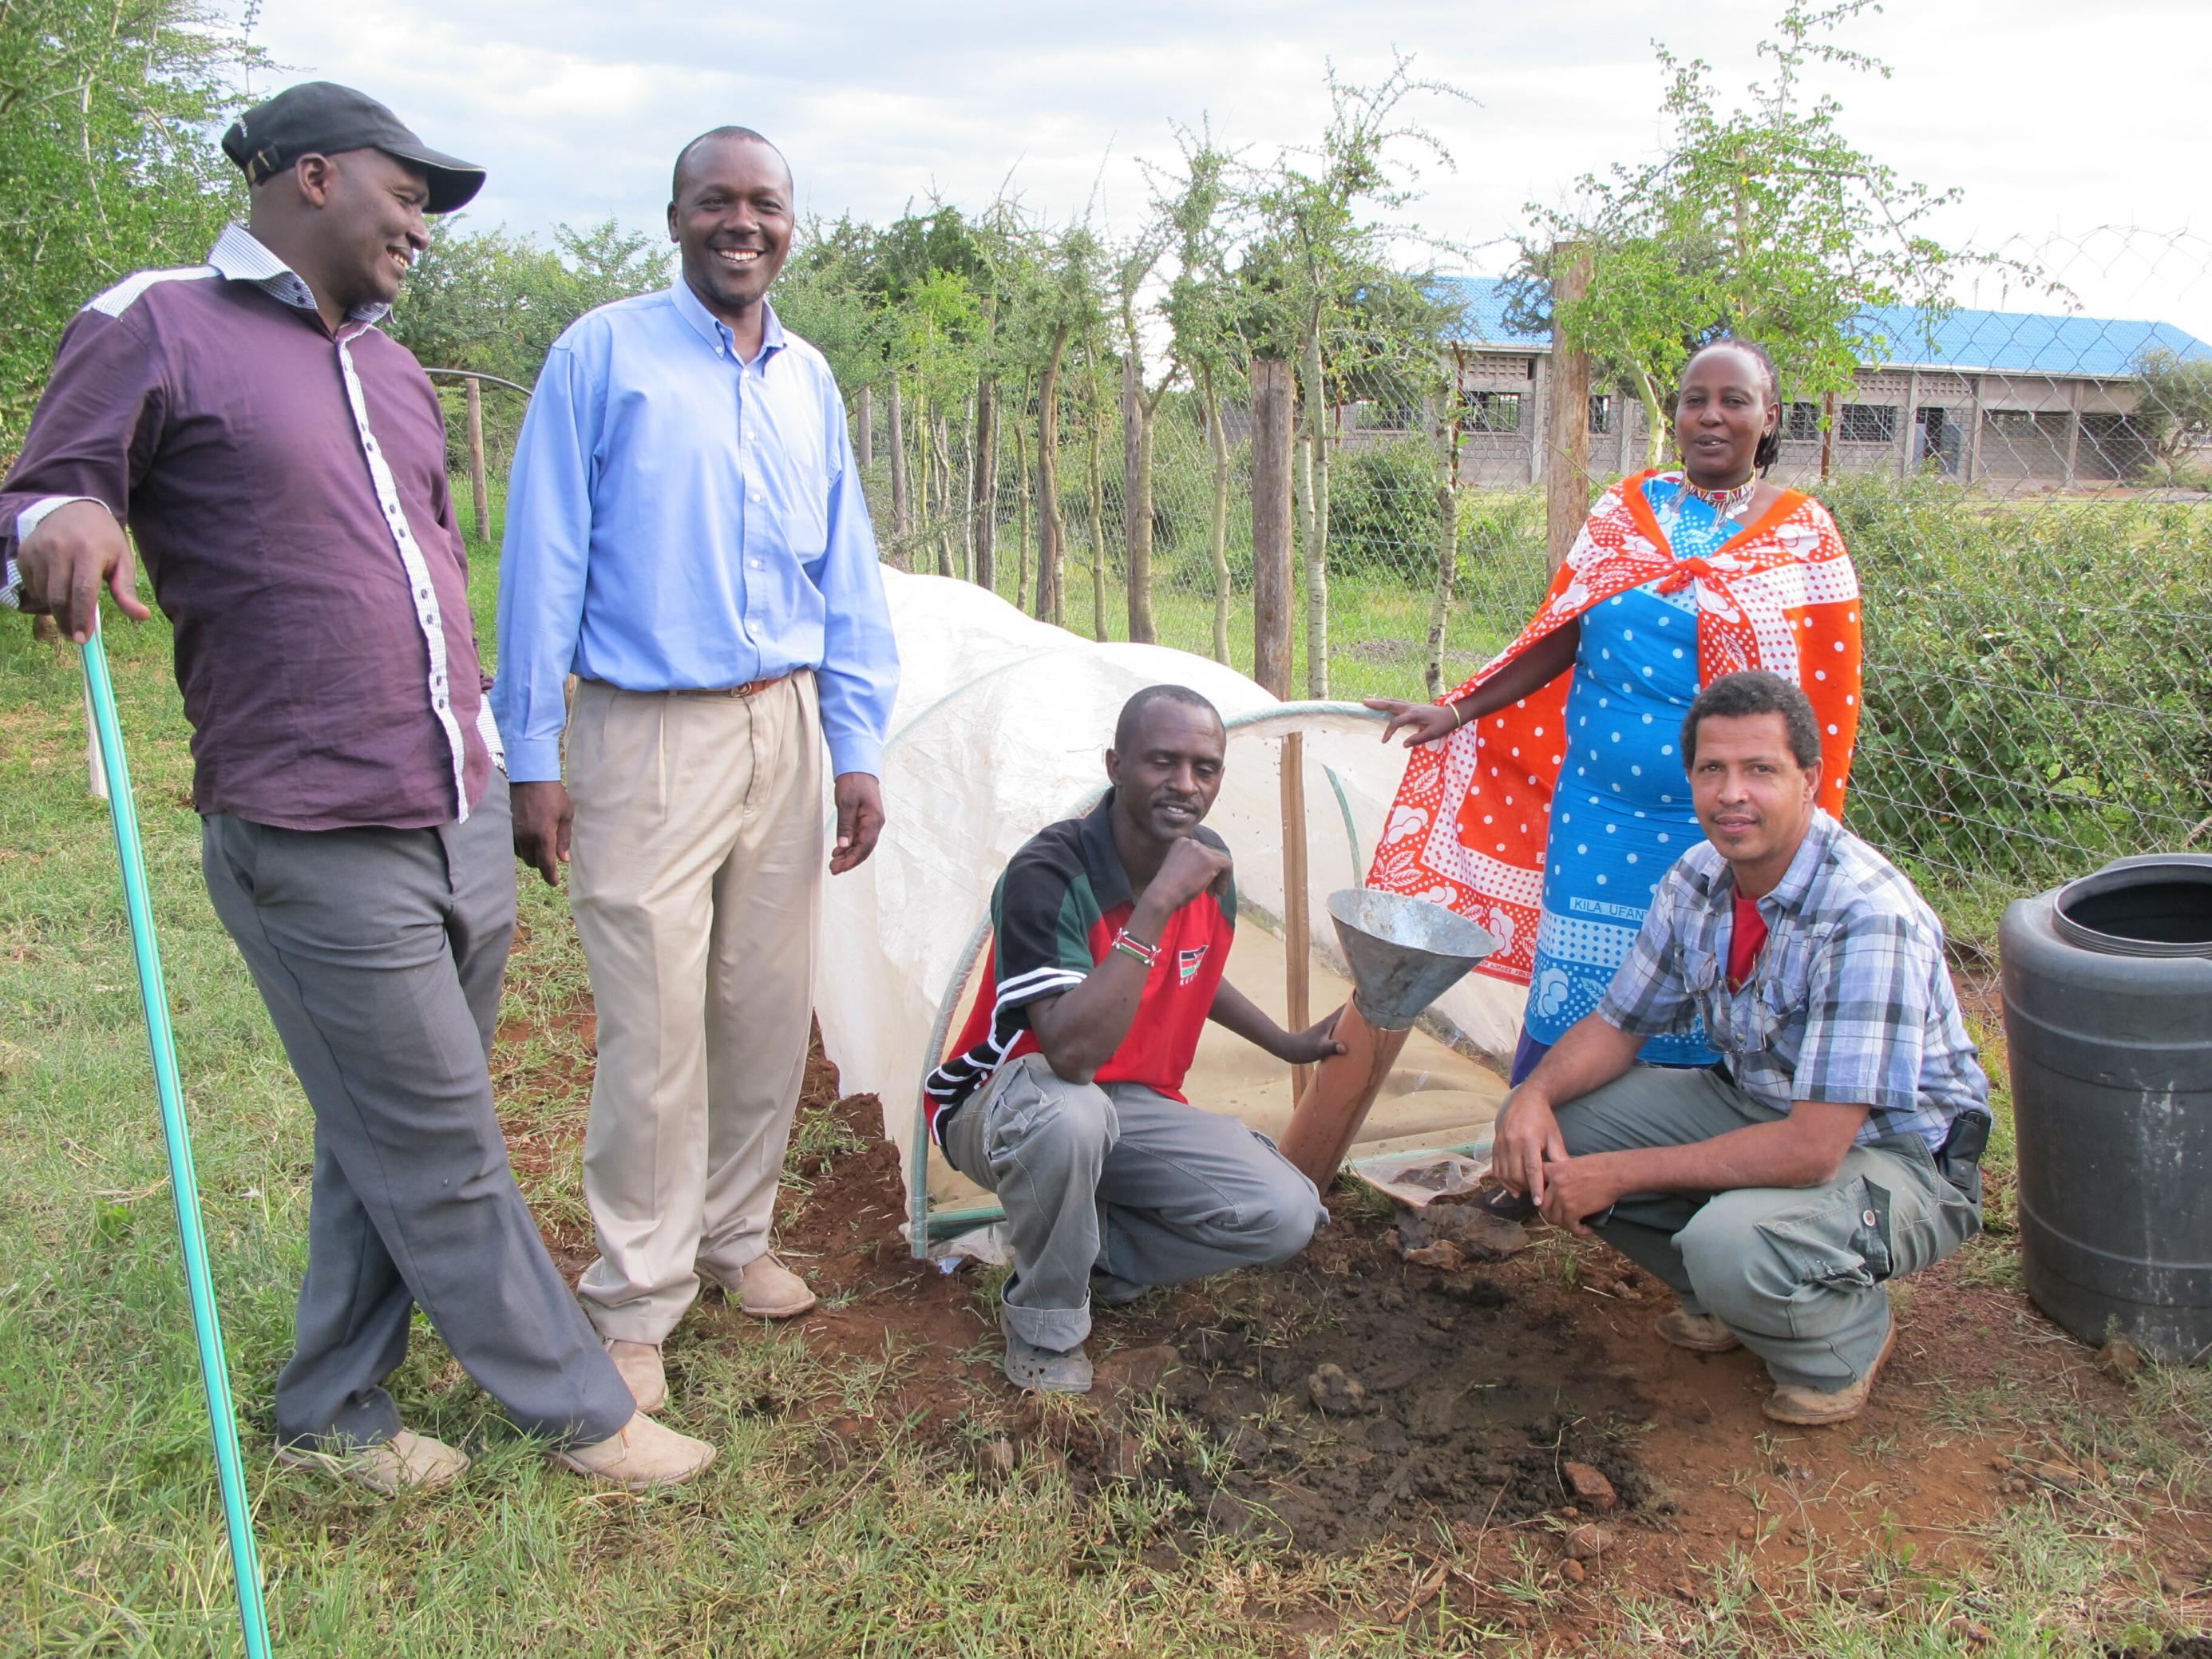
(1849, 1003)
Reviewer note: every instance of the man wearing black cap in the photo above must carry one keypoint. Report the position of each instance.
(281, 463)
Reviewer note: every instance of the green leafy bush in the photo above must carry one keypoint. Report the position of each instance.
(1383, 510)
(2038, 687)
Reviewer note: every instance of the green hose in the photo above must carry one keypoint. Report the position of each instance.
(99, 696)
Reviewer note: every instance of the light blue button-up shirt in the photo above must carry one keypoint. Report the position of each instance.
(678, 519)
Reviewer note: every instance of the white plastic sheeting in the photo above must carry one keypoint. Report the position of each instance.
(1000, 729)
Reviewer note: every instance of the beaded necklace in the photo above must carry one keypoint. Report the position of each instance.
(1726, 502)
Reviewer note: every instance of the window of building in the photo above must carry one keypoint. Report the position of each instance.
(1867, 424)
(1804, 422)
(2014, 422)
(1600, 412)
(1370, 415)
(1494, 411)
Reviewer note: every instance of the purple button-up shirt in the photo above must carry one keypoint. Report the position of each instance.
(287, 490)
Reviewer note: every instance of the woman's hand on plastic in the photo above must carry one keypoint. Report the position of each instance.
(1423, 722)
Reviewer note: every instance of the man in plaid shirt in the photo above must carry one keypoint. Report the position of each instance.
(1836, 1144)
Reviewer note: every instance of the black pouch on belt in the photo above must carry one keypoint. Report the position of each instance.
(1958, 1160)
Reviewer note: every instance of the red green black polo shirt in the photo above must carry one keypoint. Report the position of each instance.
(1055, 914)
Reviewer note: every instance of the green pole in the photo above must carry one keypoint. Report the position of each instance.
(214, 1376)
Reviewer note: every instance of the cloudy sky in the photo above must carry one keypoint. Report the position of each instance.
(2076, 130)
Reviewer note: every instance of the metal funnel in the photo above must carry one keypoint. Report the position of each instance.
(1404, 952)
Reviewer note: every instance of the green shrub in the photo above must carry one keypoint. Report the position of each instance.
(1383, 510)
(2039, 689)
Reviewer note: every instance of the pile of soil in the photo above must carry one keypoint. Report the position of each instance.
(1362, 1397)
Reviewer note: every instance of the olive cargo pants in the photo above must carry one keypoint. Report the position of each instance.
(1796, 1273)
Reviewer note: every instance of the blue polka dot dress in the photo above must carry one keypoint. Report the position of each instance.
(1621, 815)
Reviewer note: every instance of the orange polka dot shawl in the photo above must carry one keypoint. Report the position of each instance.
(1468, 826)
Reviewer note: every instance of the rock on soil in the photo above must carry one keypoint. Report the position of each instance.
(1586, 1543)
(1336, 1393)
(1588, 1486)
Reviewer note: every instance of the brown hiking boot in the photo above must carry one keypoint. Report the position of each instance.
(1808, 1409)
(406, 1462)
(643, 1454)
(1698, 1332)
(769, 1289)
(639, 1363)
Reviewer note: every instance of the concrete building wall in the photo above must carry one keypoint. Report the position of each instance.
(2007, 430)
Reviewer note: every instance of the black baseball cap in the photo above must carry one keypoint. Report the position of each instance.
(321, 118)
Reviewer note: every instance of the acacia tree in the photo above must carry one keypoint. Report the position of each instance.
(1323, 243)
(1204, 310)
(1141, 407)
(1764, 221)
(108, 162)
(1397, 348)
(1065, 305)
(2173, 409)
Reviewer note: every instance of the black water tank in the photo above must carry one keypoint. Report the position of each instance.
(2108, 1027)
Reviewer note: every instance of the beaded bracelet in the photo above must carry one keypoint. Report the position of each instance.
(1129, 945)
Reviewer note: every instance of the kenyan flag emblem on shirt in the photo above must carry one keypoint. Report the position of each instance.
(1186, 963)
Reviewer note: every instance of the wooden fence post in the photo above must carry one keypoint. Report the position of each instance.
(1273, 402)
(864, 421)
(1273, 410)
(1566, 427)
(478, 490)
(902, 489)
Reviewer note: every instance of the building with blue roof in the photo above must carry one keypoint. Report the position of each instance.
(2007, 398)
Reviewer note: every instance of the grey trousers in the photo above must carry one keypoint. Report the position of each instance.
(1796, 1273)
(380, 954)
(1119, 1180)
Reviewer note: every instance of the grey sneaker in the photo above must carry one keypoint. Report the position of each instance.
(1046, 1370)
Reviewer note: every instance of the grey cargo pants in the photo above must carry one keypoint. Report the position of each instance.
(1796, 1273)
(1118, 1179)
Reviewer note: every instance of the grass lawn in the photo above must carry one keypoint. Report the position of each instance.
(849, 1512)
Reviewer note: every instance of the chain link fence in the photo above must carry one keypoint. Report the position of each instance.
(2025, 487)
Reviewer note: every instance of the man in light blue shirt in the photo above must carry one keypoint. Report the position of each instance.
(686, 535)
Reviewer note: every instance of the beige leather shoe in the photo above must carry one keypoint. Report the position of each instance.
(640, 1365)
(1698, 1332)
(406, 1462)
(769, 1289)
(1812, 1410)
(641, 1455)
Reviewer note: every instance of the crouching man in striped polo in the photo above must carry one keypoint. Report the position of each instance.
(1063, 1093)
(1836, 1144)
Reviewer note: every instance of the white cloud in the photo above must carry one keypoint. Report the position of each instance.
(2052, 120)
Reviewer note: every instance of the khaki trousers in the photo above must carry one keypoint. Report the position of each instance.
(695, 873)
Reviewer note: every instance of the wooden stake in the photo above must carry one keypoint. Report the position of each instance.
(476, 489)
(1566, 471)
(1273, 408)
(1298, 939)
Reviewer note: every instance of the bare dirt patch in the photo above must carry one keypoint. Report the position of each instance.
(1475, 1389)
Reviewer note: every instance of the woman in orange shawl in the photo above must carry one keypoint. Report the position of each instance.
(1547, 796)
